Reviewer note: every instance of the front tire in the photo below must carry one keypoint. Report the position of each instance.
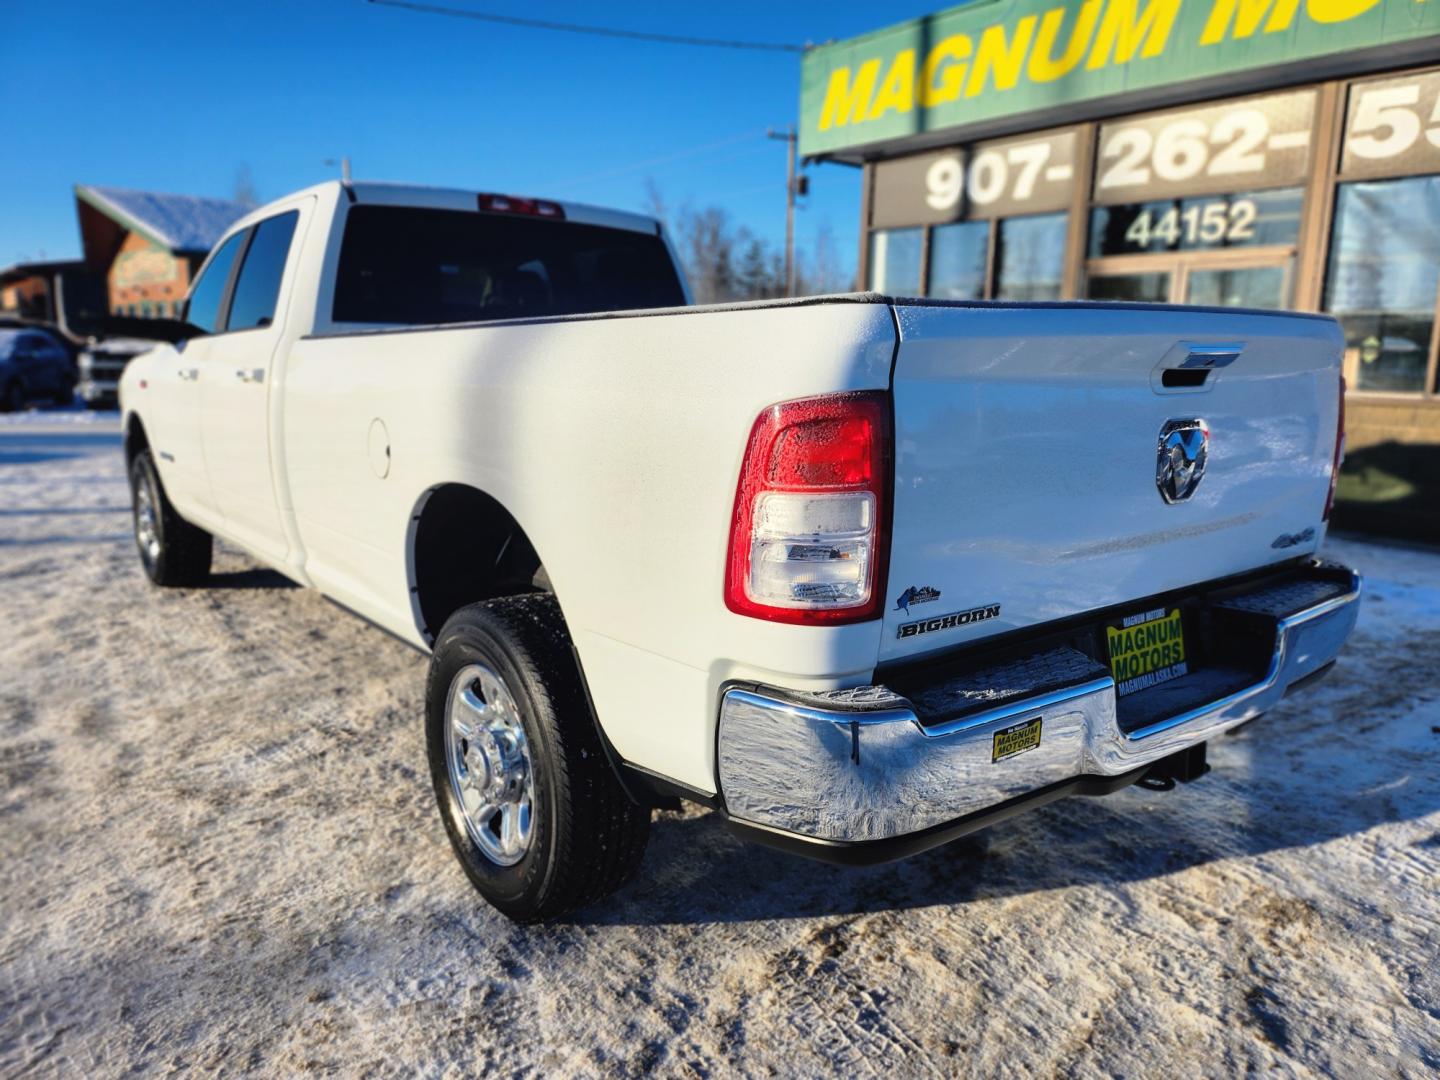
(173, 552)
(533, 811)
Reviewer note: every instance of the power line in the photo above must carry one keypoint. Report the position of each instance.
(601, 31)
(688, 152)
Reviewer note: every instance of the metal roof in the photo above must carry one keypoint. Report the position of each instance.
(189, 223)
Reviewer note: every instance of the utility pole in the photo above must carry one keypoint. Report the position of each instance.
(792, 188)
(344, 167)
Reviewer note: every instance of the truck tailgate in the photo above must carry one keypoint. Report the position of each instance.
(1027, 446)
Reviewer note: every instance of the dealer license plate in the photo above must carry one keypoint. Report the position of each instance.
(1146, 650)
(1016, 739)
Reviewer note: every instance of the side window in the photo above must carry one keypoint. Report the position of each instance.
(209, 290)
(258, 286)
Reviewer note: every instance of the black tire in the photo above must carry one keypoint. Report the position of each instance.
(588, 837)
(180, 554)
(12, 397)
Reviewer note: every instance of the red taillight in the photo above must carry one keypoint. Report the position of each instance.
(825, 453)
(809, 536)
(510, 204)
(1339, 454)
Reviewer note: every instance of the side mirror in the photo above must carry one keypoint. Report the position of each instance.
(176, 331)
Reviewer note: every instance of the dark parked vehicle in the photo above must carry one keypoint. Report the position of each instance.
(34, 366)
(100, 366)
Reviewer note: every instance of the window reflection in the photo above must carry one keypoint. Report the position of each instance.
(1382, 278)
(1246, 286)
(1143, 287)
(895, 261)
(210, 288)
(957, 260)
(1030, 257)
(1245, 219)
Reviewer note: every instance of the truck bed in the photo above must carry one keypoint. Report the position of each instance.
(1025, 473)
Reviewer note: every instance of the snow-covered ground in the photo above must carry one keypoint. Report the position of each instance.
(218, 851)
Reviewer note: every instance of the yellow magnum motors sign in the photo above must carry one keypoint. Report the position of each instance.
(1147, 649)
(1016, 739)
(985, 61)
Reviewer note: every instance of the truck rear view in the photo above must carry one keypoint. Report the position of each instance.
(859, 573)
(1096, 550)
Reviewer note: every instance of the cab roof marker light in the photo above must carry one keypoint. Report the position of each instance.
(513, 204)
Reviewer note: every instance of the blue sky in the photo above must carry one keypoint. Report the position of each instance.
(179, 96)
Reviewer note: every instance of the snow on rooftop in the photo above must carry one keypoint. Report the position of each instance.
(181, 222)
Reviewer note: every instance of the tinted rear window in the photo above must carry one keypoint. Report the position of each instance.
(413, 267)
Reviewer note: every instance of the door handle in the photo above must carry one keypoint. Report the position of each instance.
(189, 374)
(248, 376)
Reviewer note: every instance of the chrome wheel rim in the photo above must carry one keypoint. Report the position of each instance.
(147, 534)
(488, 757)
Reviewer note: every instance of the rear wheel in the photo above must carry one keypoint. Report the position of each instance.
(534, 813)
(173, 551)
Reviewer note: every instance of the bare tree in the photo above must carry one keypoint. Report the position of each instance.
(762, 271)
(708, 248)
(245, 192)
(727, 262)
(827, 269)
(655, 204)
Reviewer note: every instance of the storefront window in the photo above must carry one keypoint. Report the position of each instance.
(1245, 286)
(1382, 279)
(1030, 257)
(957, 260)
(1152, 288)
(1245, 219)
(895, 261)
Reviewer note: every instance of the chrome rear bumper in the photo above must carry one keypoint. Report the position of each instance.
(861, 767)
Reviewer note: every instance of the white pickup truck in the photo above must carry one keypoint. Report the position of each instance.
(861, 573)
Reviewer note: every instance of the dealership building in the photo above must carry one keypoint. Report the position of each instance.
(1260, 153)
(147, 246)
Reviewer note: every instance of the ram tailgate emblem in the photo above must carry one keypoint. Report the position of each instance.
(1180, 458)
